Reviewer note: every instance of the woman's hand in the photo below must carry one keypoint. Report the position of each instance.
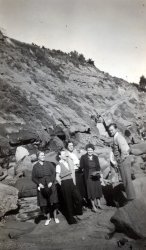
(58, 178)
(95, 173)
(58, 181)
(41, 185)
(49, 184)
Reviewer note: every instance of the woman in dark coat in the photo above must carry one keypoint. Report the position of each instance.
(89, 163)
(43, 174)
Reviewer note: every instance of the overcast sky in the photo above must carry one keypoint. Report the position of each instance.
(111, 32)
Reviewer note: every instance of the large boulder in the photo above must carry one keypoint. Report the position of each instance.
(3, 174)
(139, 149)
(56, 144)
(8, 198)
(24, 167)
(24, 136)
(137, 166)
(101, 129)
(140, 188)
(51, 157)
(1, 171)
(4, 147)
(131, 219)
(29, 210)
(21, 152)
(26, 187)
(15, 229)
(103, 163)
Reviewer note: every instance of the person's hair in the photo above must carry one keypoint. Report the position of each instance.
(38, 153)
(59, 153)
(67, 142)
(112, 124)
(127, 133)
(90, 145)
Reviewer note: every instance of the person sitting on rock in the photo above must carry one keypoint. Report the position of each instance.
(43, 174)
(71, 196)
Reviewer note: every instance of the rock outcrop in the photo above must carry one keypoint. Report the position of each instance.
(26, 187)
(49, 96)
(140, 188)
(131, 219)
(139, 149)
(8, 199)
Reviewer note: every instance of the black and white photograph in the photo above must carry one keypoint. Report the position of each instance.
(72, 124)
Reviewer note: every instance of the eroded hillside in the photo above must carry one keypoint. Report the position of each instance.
(49, 96)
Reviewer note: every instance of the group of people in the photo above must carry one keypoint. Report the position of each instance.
(78, 181)
(75, 181)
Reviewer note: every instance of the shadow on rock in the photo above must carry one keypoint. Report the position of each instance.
(114, 196)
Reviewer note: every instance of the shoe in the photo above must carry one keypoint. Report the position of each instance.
(56, 220)
(99, 207)
(78, 218)
(47, 222)
(84, 209)
(130, 200)
(94, 210)
(73, 221)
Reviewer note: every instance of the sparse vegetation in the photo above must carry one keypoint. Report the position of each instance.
(91, 62)
(77, 58)
(58, 84)
(142, 83)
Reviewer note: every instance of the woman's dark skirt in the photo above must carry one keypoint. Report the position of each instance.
(94, 189)
(80, 184)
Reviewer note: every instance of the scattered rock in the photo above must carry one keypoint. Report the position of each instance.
(24, 167)
(131, 219)
(8, 198)
(3, 174)
(10, 180)
(4, 147)
(29, 209)
(138, 149)
(1, 171)
(22, 137)
(56, 144)
(21, 152)
(137, 166)
(51, 157)
(11, 171)
(26, 187)
(140, 188)
(15, 229)
(103, 163)
(102, 130)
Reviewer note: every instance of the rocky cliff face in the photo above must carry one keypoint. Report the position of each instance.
(48, 96)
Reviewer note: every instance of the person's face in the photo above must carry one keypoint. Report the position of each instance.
(63, 155)
(112, 130)
(70, 147)
(41, 157)
(90, 151)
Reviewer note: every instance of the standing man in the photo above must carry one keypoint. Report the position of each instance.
(121, 152)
